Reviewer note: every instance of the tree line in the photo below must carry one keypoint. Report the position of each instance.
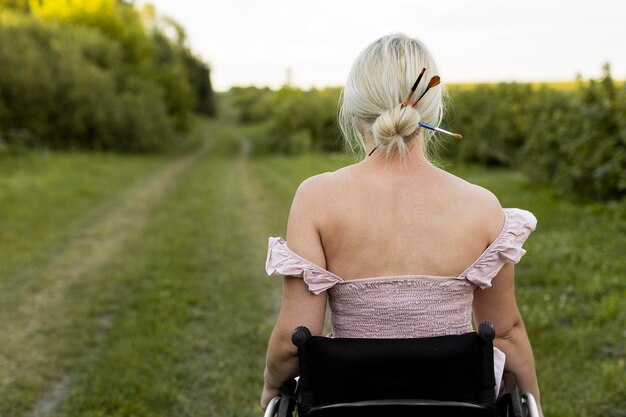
(96, 75)
(573, 139)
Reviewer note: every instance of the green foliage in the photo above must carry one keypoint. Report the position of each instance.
(117, 20)
(574, 139)
(289, 120)
(87, 74)
(199, 77)
(172, 78)
(249, 103)
(68, 87)
(486, 112)
(22, 5)
(198, 72)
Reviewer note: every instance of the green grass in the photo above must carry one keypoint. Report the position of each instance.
(44, 196)
(571, 291)
(135, 286)
(187, 339)
(47, 201)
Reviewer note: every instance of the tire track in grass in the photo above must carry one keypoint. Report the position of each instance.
(46, 201)
(265, 189)
(238, 300)
(244, 298)
(190, 339)
(34, 344)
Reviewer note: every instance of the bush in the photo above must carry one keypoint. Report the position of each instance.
(199, 75)
(494, 119)
(573, 139)
(578, 140)
(87, 74)
(289, 120)
(171, 76)
(68, 87)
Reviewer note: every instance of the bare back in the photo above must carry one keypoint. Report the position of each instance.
(378, 220)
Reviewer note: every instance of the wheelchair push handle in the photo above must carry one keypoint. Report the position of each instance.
(487, 331)
(300, 336)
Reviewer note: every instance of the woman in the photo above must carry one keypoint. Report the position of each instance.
(395, 245)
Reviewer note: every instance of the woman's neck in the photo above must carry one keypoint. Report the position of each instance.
(413, 158)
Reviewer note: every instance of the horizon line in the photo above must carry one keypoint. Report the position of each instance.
(452, 83)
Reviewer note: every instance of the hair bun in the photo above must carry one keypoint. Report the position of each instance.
(393, 126)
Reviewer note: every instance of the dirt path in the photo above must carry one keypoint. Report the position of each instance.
(92, 249)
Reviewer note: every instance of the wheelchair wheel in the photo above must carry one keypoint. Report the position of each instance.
(272, 407)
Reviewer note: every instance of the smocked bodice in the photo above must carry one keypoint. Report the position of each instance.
(401, 307)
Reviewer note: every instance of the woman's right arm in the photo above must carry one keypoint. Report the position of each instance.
(497, 304)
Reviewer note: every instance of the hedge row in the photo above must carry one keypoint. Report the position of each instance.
(573, 139)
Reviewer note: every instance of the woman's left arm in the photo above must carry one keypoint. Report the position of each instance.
(299, 306)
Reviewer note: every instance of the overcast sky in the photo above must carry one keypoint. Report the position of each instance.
(251, 42)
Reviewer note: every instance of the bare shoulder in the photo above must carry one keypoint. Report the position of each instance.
(481, 204)
(308, 201)
(485, 201)
(312, 188)
(489, 210)
(303, 224)
(323, 189)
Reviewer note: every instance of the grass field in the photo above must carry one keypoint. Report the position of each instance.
(135, 285)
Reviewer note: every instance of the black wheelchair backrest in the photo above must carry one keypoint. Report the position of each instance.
(446, 368)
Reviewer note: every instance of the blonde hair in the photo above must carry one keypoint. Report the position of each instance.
(379, 80)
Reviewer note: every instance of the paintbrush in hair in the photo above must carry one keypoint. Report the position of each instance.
(407, 100)
(438, 129)
(432, 83)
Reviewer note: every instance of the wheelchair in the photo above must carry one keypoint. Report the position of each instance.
(436, 376)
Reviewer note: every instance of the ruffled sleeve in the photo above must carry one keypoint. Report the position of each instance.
(282, 261)
(507, 248)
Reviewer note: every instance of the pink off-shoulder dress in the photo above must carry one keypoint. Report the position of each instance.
(408, 306)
